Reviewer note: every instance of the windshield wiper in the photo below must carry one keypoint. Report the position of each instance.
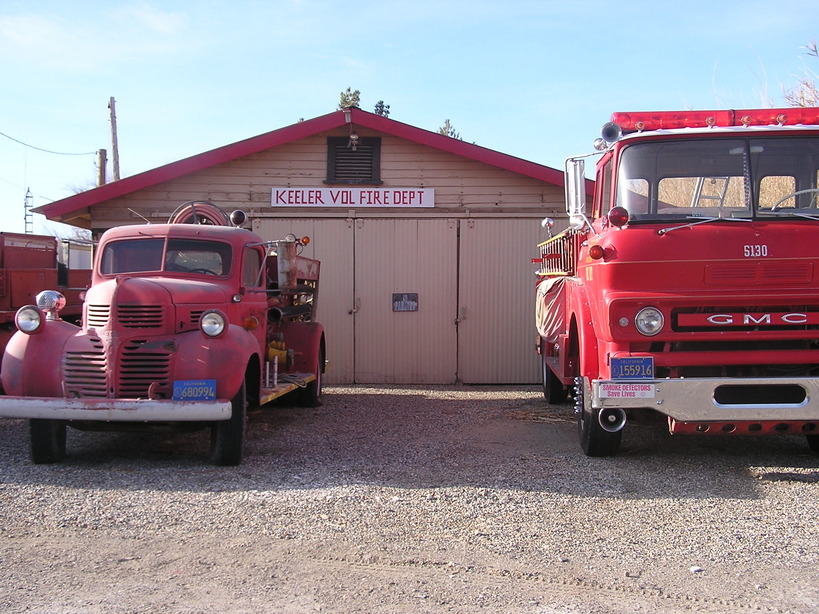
(704, 220)
(783, 213)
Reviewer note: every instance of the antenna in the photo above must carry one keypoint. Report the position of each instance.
(28, 217)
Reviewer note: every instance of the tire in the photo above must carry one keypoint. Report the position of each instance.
(312, 394)
(813, 443)
(594, 441)
(553, 389)
(227, 437)
(46, 441)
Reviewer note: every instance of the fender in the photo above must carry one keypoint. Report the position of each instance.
(309, 337)
(580, 314)
(223, 358)
(31, 363)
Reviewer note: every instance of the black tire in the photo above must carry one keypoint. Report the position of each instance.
(46, 441)
(594, 441)
(553, 389)
(312, 394)
(227, 437)
(813, 443)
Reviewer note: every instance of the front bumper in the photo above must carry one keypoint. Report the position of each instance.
(696, 399)
(113, 410)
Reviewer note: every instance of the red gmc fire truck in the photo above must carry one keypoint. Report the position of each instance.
(691, 286)
(185, 325)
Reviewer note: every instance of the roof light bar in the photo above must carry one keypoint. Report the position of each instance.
(665, 120)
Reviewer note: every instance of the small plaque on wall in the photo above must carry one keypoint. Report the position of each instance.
(405, 301)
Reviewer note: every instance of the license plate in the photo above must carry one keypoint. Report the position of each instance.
(632, 367)
(194, 390)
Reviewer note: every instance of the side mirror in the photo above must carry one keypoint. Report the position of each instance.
(575, 180)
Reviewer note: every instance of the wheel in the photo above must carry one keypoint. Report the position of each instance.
(46, 441)
(553, 389)
(227, 436)
(776, 206)
(594, 441)
(311, 395)
(813, 442)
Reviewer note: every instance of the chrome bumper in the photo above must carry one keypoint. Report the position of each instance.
(693, 399)
(113, 410)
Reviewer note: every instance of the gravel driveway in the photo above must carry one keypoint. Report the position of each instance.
(411, 499)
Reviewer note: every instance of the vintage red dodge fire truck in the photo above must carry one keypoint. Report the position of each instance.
(690, 287)
(185, 324)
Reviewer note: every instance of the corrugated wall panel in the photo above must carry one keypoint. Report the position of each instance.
(406, 256)
(331, 241)
(496, 334)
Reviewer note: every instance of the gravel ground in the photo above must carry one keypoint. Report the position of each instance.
(411, 499)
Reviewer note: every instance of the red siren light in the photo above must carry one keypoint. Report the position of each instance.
(666, 120)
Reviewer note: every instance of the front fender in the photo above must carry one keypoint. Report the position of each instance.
(581, 313)
(223, 358)
(32, 363)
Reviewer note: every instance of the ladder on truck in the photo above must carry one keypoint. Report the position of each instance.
(719, 196)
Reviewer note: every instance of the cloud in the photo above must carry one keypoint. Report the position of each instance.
(70, 41)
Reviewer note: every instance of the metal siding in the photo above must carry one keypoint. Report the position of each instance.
(496, 334)
(396, 256)
(331, 242)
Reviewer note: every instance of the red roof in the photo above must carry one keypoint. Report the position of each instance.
(289, 134)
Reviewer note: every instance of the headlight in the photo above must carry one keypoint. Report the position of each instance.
(212, 323)
(29, 319)
(649, 321)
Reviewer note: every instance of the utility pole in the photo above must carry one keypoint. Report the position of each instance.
(28, 217)
(114, 146)
(102, 162)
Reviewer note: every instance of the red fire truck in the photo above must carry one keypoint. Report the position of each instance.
(30, 263)
(185, 324)
(691, 287)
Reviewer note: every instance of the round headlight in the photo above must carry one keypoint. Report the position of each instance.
(212, 323)
(649, 321)
(29, 319)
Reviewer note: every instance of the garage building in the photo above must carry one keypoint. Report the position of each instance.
(425, 240)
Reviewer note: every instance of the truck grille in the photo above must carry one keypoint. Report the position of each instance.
(779, 272)
(140, 316)
(98, 315)
(84, 373)
(139, 370)
(129, 316)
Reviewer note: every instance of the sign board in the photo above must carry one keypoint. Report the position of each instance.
(620, 390)
(403, 198)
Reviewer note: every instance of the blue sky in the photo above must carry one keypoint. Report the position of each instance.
(533, 79)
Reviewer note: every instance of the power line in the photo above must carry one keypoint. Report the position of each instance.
(58, 153)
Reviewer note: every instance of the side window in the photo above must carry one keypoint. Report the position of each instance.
(251, 266)
(602, 203)
(352, 162)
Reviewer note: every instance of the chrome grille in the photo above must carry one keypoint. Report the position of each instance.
(140, 316)
(84, 372)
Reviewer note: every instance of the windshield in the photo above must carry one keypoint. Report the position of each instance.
(734, 177)
(181, 256)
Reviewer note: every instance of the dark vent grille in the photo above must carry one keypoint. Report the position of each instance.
(759, 272)
(348, 165)
(140, 316)
(98, 315)
(139, 370)
(195, 315)
(85, 372)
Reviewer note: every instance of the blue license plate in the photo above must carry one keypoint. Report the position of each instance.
(632, 367)
(194, 390)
